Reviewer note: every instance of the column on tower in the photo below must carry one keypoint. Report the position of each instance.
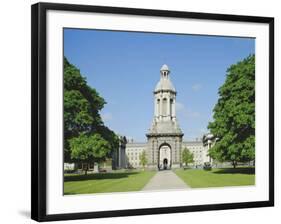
(174, 109)
(158, 107)
(171, 108)
(155, 108)
(160, 112)
(168, 106)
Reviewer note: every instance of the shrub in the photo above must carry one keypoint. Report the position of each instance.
(207, 166)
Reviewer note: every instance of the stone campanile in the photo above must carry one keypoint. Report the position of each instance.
(165, 136)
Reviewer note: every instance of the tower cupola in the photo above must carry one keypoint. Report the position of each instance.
(164, 71)
(164, 83)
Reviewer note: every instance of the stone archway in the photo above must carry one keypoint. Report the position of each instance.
(165, 157)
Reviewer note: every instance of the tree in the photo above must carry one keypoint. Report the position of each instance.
(89, 148)
(143, 159)
(110, 137)
(82, 105)
(234, 115)
(187, 156)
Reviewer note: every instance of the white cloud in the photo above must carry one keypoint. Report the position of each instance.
(106, 116)
(196, 87)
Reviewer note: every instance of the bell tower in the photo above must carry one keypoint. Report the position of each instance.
(165, 135)
(164, 97)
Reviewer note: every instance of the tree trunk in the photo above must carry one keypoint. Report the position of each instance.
(86, 170)
(234, 163)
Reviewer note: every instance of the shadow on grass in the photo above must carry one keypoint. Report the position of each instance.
(98, 176)
(240, 170)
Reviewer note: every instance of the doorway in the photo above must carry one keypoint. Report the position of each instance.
(164, 161)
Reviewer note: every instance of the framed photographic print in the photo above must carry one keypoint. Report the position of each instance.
(140, 111)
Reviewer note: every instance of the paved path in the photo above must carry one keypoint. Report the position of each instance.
(165, 179)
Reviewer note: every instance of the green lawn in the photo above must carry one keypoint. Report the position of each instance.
(217, 177)
(106, 182)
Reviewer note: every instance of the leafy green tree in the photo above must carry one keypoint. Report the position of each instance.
(187, 156)
(234, 115)
(89, 148)
(109, 136)
(82, 105)
(143, 159)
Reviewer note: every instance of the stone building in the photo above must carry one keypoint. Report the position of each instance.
(164, 138)
(133, 152)
(199, 150)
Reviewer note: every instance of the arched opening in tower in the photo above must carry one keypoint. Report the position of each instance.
(164, 108)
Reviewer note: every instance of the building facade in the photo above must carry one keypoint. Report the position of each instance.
(134, 150)
(164, 138)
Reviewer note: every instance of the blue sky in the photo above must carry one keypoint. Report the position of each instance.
(124, 68)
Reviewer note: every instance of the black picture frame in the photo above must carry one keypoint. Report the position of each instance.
(38, 109)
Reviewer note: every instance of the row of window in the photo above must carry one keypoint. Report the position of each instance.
(140, 150)
(196, 152)
(134, 164)
(132, 153)
(133, 150)
(193, 147)
(133, 158)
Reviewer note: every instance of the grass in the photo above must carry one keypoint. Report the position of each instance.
(217, 177)
(106, 182)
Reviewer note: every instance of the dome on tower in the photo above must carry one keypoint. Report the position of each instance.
(164, 68)
(164, 82)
